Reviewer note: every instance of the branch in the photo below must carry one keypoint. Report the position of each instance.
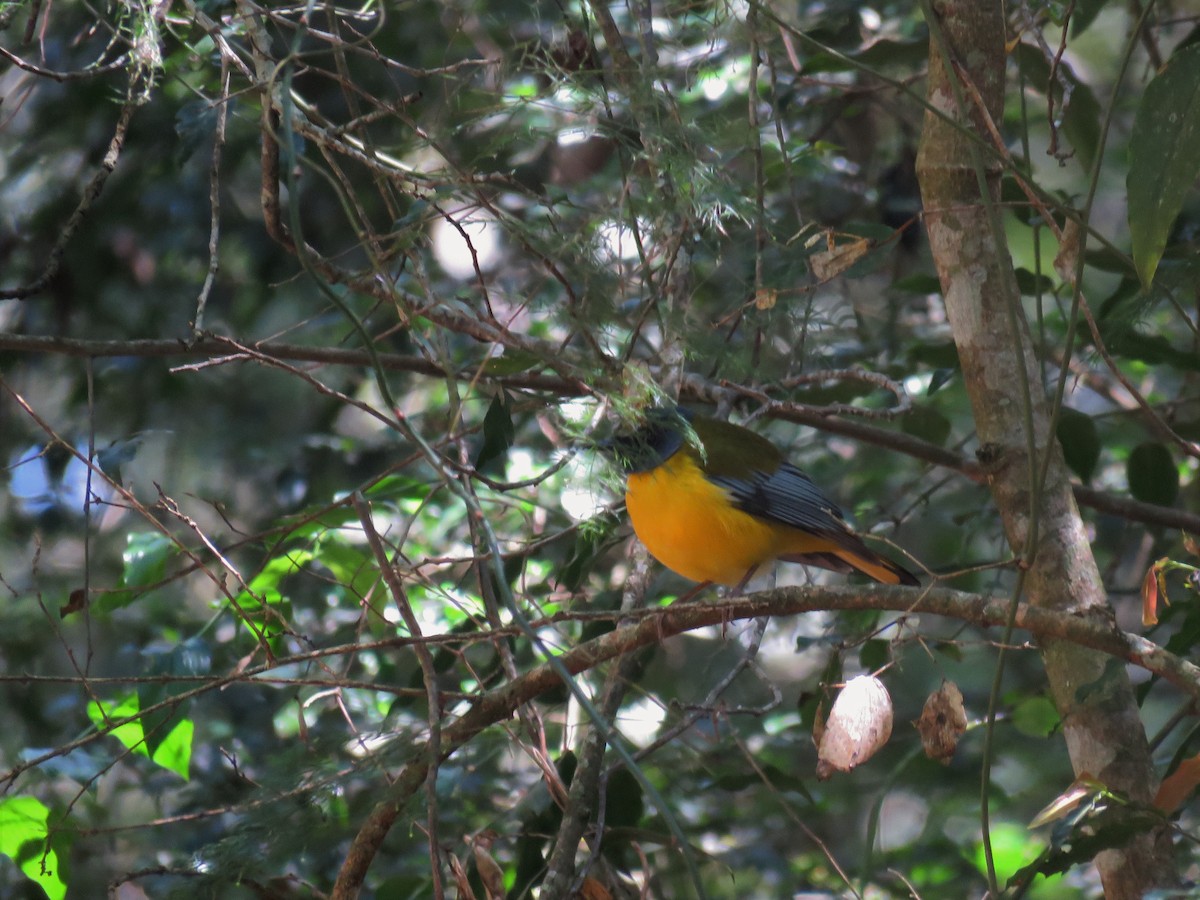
(93, 71)
(1094, 631)
(220, 348)
(694, 388)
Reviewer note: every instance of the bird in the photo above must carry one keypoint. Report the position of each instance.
(713, 502)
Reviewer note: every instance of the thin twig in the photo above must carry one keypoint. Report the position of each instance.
(79, 75)
(214, 201)
(391, 577)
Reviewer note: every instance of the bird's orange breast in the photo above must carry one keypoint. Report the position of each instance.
(689, 525)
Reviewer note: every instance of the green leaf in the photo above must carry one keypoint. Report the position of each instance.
(874, 654)
(391, 487)
(511, 362)
(941, 355)
(951, 651)
(918, 284)
(1108, 259)
(589, 543)
(880, 54)
(1164, 157)
(939, 379)
(623, 803)
(263, 609)
(1125, 305)
(190, 658)
(1081, 122)
(353, 568)
(1080, 116)
(1148, 348)
(117, 454)
(145, 560)
(1153, 476)
(416, 215)
(926, 423)
(1035, 717)
(265, 585)
(1080, 442)
(1032, 285)
(498, 434)
(129, 733)
(1185, 628)
(1085, 13)
(1012, 845)
(195, 123)
(566, 764)
(23, 832)
(173, 752)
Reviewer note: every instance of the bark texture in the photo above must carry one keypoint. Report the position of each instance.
(1101, 722)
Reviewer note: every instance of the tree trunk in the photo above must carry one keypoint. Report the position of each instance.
(1101, 721)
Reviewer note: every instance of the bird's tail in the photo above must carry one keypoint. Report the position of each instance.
(879, 567)
(849, 553)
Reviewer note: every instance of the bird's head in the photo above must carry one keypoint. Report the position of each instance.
(663, 432)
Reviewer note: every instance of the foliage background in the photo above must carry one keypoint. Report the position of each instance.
(528, 219)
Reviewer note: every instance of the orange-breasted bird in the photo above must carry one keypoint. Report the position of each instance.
(714, 501)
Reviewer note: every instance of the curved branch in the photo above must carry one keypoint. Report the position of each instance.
(1096, 632)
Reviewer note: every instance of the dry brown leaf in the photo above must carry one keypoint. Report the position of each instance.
(1178, 786)
(1067, 260)
(943, 721)
(819, 722)
(765, 298)
(1152, 586)
(591, 889)
(459, 872)
(76, 602)
(489, 870)
(832, 262)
